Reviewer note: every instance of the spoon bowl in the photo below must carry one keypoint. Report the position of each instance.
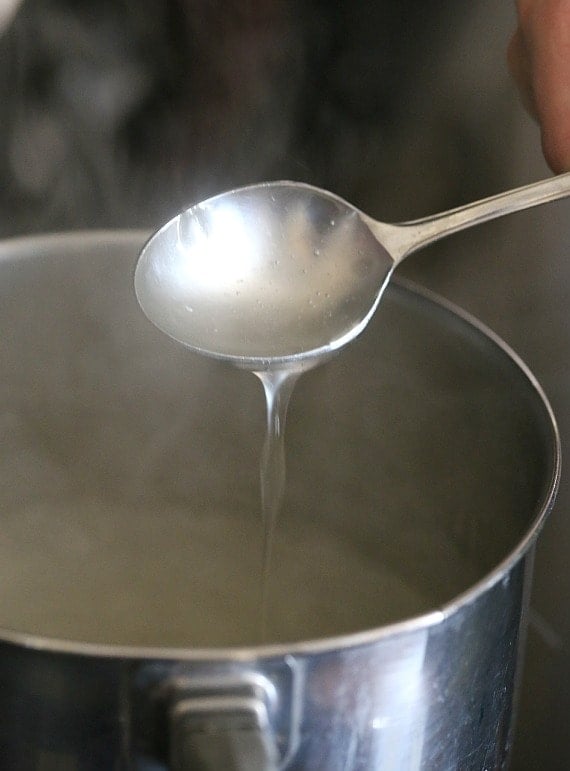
(283, 271)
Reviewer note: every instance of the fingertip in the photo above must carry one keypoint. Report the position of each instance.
(556, 150)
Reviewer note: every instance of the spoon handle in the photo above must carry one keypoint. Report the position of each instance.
(407, 237)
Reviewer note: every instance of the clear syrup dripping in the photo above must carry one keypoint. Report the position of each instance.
(278, 386)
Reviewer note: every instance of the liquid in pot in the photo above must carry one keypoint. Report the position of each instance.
(100, 571)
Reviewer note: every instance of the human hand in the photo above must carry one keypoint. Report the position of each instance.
(539, 61)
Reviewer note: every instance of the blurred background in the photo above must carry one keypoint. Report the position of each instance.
(117, 114)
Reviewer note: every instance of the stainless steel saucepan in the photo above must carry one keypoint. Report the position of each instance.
(422, 463)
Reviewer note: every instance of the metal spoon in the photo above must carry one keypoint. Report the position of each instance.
(284, 272)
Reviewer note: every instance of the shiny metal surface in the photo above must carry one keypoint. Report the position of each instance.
(441, 462)
(286, 271)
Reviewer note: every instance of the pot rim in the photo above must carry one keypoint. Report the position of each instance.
(137, 237)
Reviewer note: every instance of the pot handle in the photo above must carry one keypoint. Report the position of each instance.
(221, 733)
